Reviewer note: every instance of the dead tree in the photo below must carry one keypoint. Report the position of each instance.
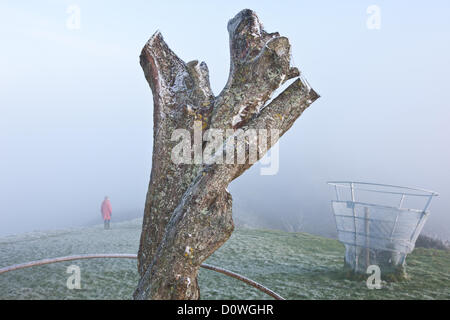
(188, 209)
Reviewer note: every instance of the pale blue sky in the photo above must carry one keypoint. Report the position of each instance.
(76, 111)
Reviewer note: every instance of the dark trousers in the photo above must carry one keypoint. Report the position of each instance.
(107, 224)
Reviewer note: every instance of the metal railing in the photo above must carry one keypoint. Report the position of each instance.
(30, 264)
(370, 226)
(402, 191)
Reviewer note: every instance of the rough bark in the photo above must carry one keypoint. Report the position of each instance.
(188, 209)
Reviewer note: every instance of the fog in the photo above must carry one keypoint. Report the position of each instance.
(76, 111)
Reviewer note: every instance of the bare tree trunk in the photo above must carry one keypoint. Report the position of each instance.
(188, 209)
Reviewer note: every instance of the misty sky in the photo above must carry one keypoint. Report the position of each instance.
(76, 111)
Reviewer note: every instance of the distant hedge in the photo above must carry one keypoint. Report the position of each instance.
(424, 241)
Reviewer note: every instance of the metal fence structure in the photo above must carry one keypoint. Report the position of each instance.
(378, 223)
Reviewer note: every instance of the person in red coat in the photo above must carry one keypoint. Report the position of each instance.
(106, 212)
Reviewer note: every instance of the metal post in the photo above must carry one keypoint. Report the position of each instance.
(401, 201)
(354, 224)
(428, 202)
(367, 231)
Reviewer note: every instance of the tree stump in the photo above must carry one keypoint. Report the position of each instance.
(188, 210)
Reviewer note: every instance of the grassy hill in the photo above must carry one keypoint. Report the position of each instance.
(295, 265)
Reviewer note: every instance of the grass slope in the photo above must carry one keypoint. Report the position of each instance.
(295, 265)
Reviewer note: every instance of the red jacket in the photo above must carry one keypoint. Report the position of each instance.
(106, 209)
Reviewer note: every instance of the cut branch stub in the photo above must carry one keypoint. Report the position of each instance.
(188, 210)
(260, 63)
